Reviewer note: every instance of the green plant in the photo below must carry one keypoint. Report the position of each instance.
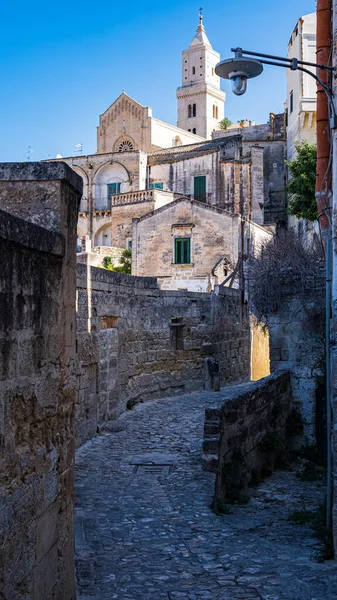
(302, 202)
(107, 263)
(294, 423)
(316, 520)
(125, 262)
(301, 517)
(311, 472)
(224, 123)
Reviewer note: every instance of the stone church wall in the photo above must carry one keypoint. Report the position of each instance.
(137, 342)
(37, 379)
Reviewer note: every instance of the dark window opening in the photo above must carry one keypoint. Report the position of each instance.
(193, 70)
(189, 112)
(177, 328)
(194, 110)
(291, 102)
(194, 130)
(200, 188)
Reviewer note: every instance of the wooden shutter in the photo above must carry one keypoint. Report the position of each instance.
(200, 188)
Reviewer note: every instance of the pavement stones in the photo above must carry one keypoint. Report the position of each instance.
(145, 530)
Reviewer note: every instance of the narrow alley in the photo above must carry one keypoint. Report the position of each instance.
(145, 529)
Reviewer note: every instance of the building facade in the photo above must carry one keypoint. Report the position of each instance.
(301, 87)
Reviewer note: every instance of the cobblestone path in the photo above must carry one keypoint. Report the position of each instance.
(146, 532)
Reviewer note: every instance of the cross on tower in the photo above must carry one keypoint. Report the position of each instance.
(200, 14)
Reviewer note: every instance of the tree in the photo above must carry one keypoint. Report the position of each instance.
(125, 262)
(302, 202)
(225, 123)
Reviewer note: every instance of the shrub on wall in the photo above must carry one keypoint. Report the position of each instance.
(286, 263)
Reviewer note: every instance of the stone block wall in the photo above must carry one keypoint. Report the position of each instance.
(37, 380)
(137, 342)
(244, 437)
(297, 343)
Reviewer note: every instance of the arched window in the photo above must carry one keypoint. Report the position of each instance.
(193, 70)
(215, 111)
(194, 110)
(194, 130)
(189, 110)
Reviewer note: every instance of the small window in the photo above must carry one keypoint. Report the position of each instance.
(129, 244)
(194, 110)
(113, 189)
(291, 102)
(193, 70)
(182, 251)
(194, 130)
(156, 186)
(189, 113)
(188, 130)
(200, 188)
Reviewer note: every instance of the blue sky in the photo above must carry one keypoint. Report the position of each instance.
(63, 63)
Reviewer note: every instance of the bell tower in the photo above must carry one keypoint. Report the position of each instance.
(201, 102)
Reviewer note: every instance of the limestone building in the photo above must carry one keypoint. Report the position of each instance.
(301, 87)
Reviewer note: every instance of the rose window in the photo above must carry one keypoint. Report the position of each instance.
(125, 146)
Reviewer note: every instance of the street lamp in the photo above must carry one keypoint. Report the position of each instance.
(246, 65)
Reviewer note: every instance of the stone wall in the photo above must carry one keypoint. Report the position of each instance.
(37, 379)
(297, 342)
(244, 437)
(137, 342)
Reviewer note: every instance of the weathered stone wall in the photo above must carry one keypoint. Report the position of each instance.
(244, 437)
(137, 342)
(37, 380)
(297, 337)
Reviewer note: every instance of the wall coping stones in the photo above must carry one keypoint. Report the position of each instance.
(30, 235)
(40, 171)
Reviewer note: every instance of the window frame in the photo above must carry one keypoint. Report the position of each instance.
(182, 250)
(199, 199)
(118, 189)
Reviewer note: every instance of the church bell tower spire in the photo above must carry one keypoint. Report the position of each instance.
(200, 99)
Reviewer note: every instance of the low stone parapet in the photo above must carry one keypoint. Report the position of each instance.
(247, 435)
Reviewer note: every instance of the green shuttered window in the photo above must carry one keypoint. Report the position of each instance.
(200, 188)
(182, 251)
(156, 186)
(113, 189)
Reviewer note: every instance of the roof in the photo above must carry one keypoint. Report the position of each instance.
(196, 203)
(200, 36)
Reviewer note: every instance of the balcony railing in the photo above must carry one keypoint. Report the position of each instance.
(105, 203)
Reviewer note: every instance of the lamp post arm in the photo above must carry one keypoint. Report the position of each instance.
(281, 58)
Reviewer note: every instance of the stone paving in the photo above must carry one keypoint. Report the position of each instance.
(145, 530)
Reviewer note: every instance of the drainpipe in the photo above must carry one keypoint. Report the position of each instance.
(323, 186)
(334, 258)
(323, 179)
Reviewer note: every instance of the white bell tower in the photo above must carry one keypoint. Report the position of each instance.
(201, 102)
